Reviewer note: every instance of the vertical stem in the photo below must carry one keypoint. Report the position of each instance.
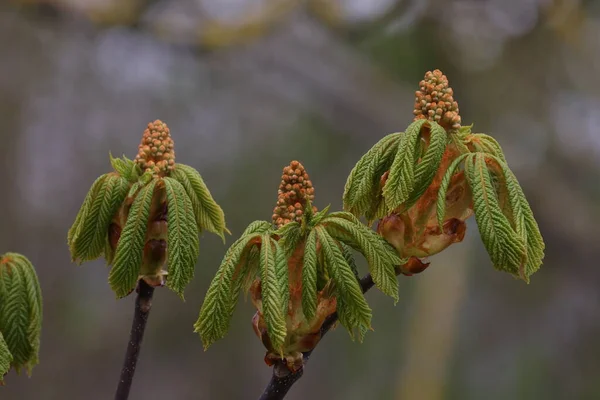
(143, 304)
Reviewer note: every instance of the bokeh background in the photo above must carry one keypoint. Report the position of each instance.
(248, 85)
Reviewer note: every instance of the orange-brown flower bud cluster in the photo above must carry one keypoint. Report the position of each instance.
(295, 189)
(435, 102)
(155, 152)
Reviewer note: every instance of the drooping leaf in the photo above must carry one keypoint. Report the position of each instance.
(353, 310)
(363, 184)
(20, 310)
(441, 199)
(128, 256)
(401, 179)
(486, 144)
(5, 358)
(505, 247)
(347, 251)
(209, 215)
(273, 307)
(90, 242)
(219, 303)
(290, 235)
(84, 211)
(524, 222)
(182, 240)
(381, 258)
(258, 227)
(427, 168)
(309, 276)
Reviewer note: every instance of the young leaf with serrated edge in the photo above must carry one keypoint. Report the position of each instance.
(91, 240)
(401, 179)
(182, 240)
(505, 247)
(486, 144)
(128, 257)
(525, 223)
(125, 168)
(363, 182)
(74, 231)
(427, 168)
(209, 215)
(20, 310)
(272, 305)
(381, 260)
(315, 219)
(354, 311)
(309, 276)
(5, 358)
(217, 309)
(441, 199)
(290, 235)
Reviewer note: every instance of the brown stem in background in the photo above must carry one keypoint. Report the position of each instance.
(143, 304)
(283, 379)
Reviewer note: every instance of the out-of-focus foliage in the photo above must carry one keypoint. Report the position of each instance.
(524, 71)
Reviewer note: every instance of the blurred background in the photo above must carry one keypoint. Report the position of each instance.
(248, 85)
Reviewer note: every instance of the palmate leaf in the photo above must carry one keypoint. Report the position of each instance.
(20, 310)
(182, 240)
(91, 239)
(381, 257)
(5, 358)
(309, 276)
(401, 179)
(219, 302)
(128, 256)
(524, 222)
(353, 310)
(443, 190)
(274, 285)
(486, 144)
(427, 168)
(363, 184)
(209, 215)
(505, 247)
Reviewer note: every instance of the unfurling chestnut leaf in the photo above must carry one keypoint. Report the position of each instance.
(20, 314)
(299, 269)
(422, 184)
(147, 212)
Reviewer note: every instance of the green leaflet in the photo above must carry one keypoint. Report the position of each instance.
(20, 311)
(441, 199)
(505, 247)
(430, 162)
(209, 215)
(76, 228)
(91, 239)
(362, 185)
(382, 260)
(525, 223)
(290, 235)
(128, 256)
(401, 179)
(5, 358)
(126, 168)
(250, 269)
(315, 219)
(347, 251)
(487, 144)
(274, 289)
(258, 227)
(309, 276)
(353, 310)
(182, 240)
(219, 303)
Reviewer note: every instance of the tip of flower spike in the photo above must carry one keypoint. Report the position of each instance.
(156, 152)
(294, 192)
(434, 101)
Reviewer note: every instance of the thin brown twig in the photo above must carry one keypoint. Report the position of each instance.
(143, 304)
